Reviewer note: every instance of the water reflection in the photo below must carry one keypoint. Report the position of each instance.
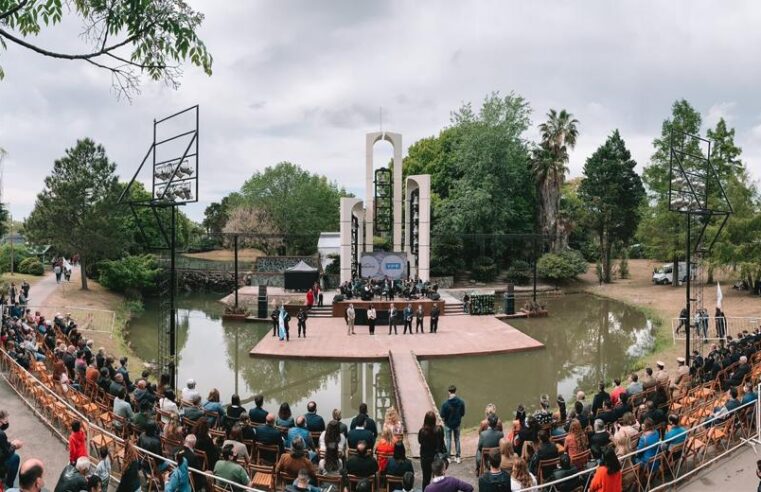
(215, 354)
(586, 339)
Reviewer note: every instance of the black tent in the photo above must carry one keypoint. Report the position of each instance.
(301, 277)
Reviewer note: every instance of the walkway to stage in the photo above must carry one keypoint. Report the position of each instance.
(457, 336)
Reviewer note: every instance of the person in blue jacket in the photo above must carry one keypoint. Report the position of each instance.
(452, 412)
(179, 480)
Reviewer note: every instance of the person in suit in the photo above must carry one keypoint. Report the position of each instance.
(488, 439)
(359, 433)
(408, 319)
(301, 317)
(314, 422)
(267, 434)
(369, 422)
(371, 316)
(193, 461)
(258, 415)
(434, 319)
(392, 315)
(363, 464)
(274, 316)
(419, 315)
(350, 315)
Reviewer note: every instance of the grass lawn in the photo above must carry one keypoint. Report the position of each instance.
(244, 254)
(18, 278)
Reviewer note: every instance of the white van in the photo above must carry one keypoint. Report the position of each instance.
(665, 274)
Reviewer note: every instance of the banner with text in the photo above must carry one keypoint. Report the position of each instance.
(382, 264)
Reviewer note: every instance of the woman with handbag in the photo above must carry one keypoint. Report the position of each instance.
(431, 439)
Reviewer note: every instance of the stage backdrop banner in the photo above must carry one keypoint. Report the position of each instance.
(381, 264)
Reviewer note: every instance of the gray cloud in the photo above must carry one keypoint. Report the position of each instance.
(303, 80)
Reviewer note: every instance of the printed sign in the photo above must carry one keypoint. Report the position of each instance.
(382, 264)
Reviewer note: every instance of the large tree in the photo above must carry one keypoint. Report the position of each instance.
(124, 37)
(612, 192)
(299, 205)
(480, 181)
(662, 231)
(74, 211)
(549, 165)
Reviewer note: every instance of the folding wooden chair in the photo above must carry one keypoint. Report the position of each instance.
(580, 460)
(265, 451)
(337, 481)
(548, 465)
(284, 479)
(393, 483)
(262, 476)
(353, 480)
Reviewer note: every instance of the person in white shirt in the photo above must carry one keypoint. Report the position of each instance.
(189, 391)
(168, 405)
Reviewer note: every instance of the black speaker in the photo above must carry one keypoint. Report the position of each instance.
(338, 298)
(510, 299)
(435, 296)
(261, 303)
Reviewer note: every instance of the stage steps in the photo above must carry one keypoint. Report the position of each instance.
(321, 312)
(453, 309)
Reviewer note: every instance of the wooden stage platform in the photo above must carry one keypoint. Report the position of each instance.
(457, 336)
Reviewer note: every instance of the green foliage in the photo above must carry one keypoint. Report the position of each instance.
(484, 269)
(31, 266)
(548, 165)
(334, 267)
(131, 274)
(519, 272)
(299, 204)
(17, 252)
(611, 192)
(77, 210)
(203, 243)
(480, 180)
(215, 216)
(623, 267)
(129, 37)
(561, 266)
(382, 243)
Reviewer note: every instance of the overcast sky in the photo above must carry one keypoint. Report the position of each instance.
(303, 81)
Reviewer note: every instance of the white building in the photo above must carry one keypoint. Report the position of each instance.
(328, 244)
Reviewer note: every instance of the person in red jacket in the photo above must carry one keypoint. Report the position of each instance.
(77, 442)
(310, 298)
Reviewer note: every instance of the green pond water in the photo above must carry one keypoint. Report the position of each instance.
(586, 339)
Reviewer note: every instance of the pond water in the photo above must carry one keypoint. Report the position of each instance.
(586, 339)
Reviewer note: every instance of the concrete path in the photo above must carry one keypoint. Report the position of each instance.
(736, 471)
(38, 440)
(412, 394)
(39, 293)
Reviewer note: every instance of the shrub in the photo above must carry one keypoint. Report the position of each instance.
(31, 266)
(20, 253)
(334, 267)
(519, 272)
(562, 266)
(484, 269)
(623, 268)
(129, 274)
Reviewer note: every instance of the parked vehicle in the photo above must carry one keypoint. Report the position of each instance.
(665, 274)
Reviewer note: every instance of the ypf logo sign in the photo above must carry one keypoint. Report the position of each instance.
(393, 266)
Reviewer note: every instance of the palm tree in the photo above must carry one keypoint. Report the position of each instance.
(559, 134)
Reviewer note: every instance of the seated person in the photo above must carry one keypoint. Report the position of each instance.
(362, 464)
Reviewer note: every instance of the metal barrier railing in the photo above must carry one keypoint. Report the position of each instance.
(709, 328)
(87, 319)
(677, 476)
(8, 364)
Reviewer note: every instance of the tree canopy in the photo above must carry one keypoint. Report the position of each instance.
(75, 209)
(481, 182)
(124, 37)
(298, 204)
(612, 192)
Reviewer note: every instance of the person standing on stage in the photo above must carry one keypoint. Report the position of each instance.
(310, 298)
(434, 318)
(275, 320)
(371, 318)
(350, 315)
(283, 319)
(408, 319)
(392, 313)
(302, 322)
(419, 315)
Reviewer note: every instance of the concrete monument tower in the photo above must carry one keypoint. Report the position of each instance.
(381, 212)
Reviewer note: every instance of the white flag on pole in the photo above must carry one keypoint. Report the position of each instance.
(719, 295)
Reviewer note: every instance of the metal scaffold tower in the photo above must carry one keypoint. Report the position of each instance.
(696, 192)
(173, 157)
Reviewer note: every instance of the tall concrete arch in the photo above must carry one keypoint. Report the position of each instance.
(395, 139)
(418, 229)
